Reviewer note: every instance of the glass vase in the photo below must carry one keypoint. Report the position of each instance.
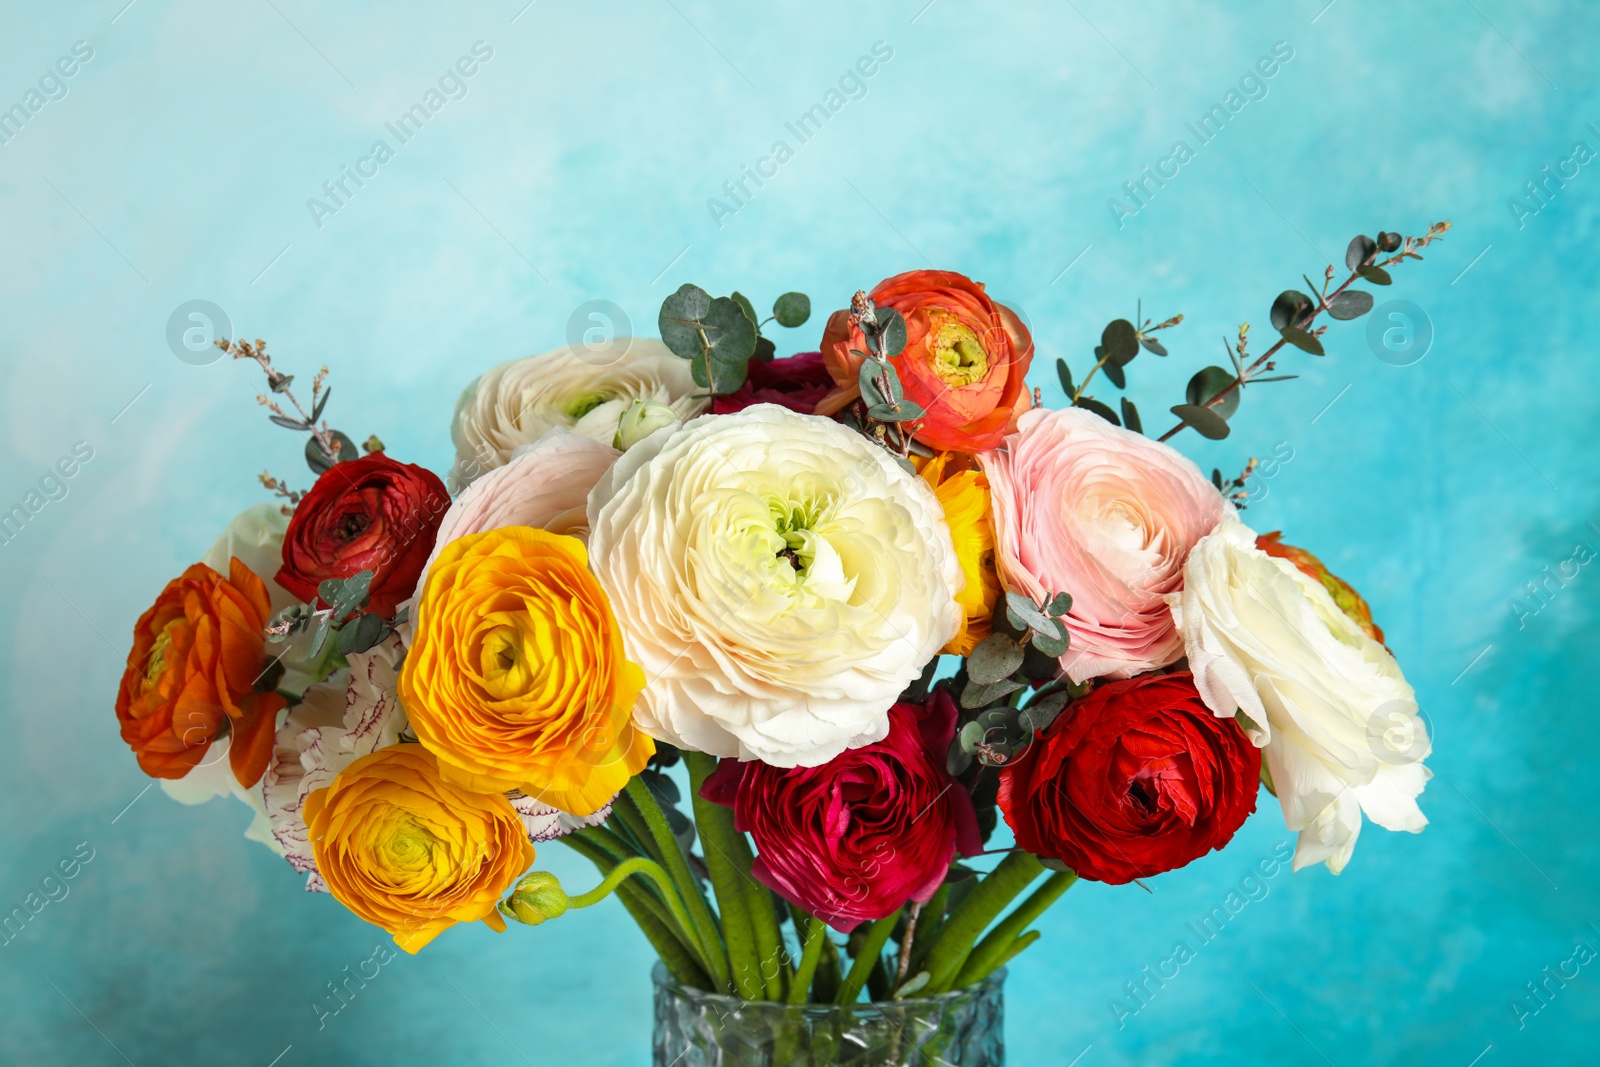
(694, 1028)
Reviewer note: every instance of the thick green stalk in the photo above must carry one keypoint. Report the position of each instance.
(1000, 944)
(870, 953)
(715, 825)
(677, 865)
(995, 890)
(928, 927)
(810, 956)
(679, 958)
(1005, 957)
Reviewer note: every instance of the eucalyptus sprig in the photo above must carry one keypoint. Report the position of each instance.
(326, 446)
(1120, 342)
(357, 630)
(721, 335)
(1213, 393)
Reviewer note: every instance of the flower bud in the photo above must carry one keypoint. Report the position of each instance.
(641, 420)
(537, 897)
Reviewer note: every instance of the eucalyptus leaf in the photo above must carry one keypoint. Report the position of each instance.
(319, 461)
(957, 760)
(1205, 421)
(1361, 250)
(1117, 376)
(1389, 242)
(1038, 716)
(979, 696)
(1060, 604)
(891, 331)
(1120, 341)
(970, 736)
(1302, 340)
(1130, 416)
(1089, 403)
(322, 402)
(995, 657)
(361, 634)
(1350, 304)
(1291, 309)
(731, 334)
(792, 309)
(1051, 645)
(1064, 373)
(1153, 346)
(680, 315)
(1210, 382)
(287, 423)
(1375, 275)
(748, 308)
(765, 350)
(1024, 614)
(909, 411)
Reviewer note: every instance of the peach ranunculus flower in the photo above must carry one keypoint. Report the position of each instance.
(1108, 515)
(544, 485)
(965, 361)
(516, 677)
(586, 389)
(963, 492)
(408, 851)
(197, 655)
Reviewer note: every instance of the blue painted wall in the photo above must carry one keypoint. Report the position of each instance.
(576, 163)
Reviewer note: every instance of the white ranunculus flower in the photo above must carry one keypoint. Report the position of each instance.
(585, 389)
(1336, 720)
(779, 578)
(352, 714)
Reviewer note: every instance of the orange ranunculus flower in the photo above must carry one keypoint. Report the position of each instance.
(1350, 602)
(197, 655)
(516, 677)
(963, 492)
(406, 850)
(965, 360)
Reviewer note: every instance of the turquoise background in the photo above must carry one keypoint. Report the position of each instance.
(578, 166)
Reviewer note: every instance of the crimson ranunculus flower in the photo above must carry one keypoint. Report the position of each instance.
(965, 360)
(796, 382)
(364, 514)
(854, 839)
(1137, 778)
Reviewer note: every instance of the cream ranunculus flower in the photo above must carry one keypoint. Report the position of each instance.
(1337, 721)
(779, 578)
(586, 389)
(352, 714)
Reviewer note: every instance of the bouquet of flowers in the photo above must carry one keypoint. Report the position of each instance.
(875, 597)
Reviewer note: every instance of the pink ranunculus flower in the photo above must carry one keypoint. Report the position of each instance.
(855, 838)
(1107, 515)
(544, 485)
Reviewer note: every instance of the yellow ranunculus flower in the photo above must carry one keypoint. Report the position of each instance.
(406, 850)
(516, 677)
(964, 495)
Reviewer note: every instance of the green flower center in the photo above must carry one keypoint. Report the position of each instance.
(957, 355)
(583, 403)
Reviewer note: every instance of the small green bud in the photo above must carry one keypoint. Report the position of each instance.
(641, 420)
(537, 897)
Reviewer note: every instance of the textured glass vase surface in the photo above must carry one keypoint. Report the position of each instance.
(699, 1029)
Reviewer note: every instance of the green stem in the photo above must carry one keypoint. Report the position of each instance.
(996, 889)
(715, 825)
(677, 954)
(606, 860)
(810, 956)
(1000, 944)
(932, 921)
(677, 864)
(1011, 950)
(871, 951)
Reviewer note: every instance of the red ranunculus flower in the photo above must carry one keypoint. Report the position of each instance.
(965, 360)
(364, 514)
(796, 382)
(857, 837)
(1137, 778)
